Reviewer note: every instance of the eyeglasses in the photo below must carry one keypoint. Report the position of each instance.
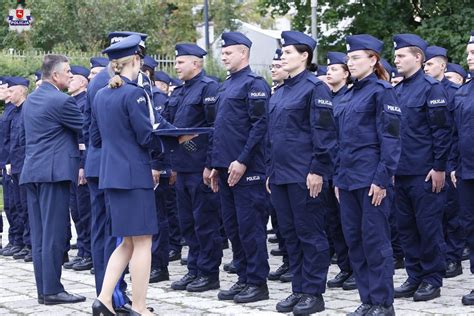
(274, 66)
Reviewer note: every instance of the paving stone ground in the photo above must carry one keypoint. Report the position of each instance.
(18, 294)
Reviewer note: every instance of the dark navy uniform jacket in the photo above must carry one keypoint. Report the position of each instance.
(160, 161)
(122, 128)
(52, 121)
(464, 133)
(368, 118)
(425, 129)
(159, 99)
(16, 137)
(6, 122)
(301, 130)
(92, 159)
(240, 124)
(336, 98)
(193, 105)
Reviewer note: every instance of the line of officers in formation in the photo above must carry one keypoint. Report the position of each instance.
(370, 164)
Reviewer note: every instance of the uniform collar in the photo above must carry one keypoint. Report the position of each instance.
(293, 80)
(416, 75)
(342, 90)
(80, 95)
(241, 72)
(194, 79)
(359, 84)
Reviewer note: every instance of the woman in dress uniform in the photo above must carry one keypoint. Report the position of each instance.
(301, 135)
(368, 119)
(122, 127)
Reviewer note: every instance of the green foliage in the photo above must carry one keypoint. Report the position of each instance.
(444, 23)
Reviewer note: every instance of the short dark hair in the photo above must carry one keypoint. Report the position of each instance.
(50, 62)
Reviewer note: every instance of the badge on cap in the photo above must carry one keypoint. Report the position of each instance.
(394, 44)
(328, 61)
(471, 39)
(348, 47)
(176, 52)
(222, 42)
(276, 56)
(282, 41)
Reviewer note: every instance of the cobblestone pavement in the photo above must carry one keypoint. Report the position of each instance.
(18, 294)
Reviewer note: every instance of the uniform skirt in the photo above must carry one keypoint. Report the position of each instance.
(131, 212)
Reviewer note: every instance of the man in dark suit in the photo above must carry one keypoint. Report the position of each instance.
(51, 122)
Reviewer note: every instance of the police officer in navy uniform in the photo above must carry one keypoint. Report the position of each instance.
(301, 135)
(463, 175)
(97, 64)
(52, 121)
(282, 272)
(239, 171)
(455, 236)
(3, 95)
(368, 118)
(102, 244)
(338, 76)
(420, 177)
(193, 105)
(18, 90)
(456, 73)
(80, 204)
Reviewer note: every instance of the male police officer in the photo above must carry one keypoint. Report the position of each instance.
(52, 121)
(420, 178)
(193, 105)
(239, 174)
(455, 237)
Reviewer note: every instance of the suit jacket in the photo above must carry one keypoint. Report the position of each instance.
(51, 121)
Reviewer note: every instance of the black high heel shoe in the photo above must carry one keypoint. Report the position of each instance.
(98, 309)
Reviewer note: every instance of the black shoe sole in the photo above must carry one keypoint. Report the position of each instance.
(308, 312)
(427, 298)
(334, 286)
(467, 302)
(204, 289)
(404, 295)
(225, 297)
(159, 280)
(251, 300)
(349, 288)
(274, 278)
(453, 275)
(61, 302)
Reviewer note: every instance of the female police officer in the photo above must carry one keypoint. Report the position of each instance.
(368, 120)
(301, 134)
(122, 126)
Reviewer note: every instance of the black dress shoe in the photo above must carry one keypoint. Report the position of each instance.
(270, 231)
(273, 240)
(11, 251)
(339, 279)
(379, 310)
(286, 277)
(184, 261)
(252, 293)
(63, 298)
(407, 289)
(126, 310)
(309, 304)
(73, 246)
(203, 283)
(361, 310)
(99, 309)
(174, 255)
(68, 265)
(277, 252)
(230, 293)
(83, 264)
(398, 263)
(453, 270)
(465, 254)
(28, 256)
(275, 275)
(21, 254)
(468, 299)
(230, 267)
(286, 305)
(92, 270)
(180, 285)
(426, 292)
(40, 299)
(225, 244)
(159, 275)
(350, 284)
(8, 246)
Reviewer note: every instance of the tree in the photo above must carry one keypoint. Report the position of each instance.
(440, 22)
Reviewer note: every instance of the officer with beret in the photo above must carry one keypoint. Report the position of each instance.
(455, 73)
(302, 135)
(455, 237)
(193, 104)
(464, 154)
(239, 170)
(338, 76)
(97, 64)
(80, 203)
(283, 272)
(368, 118)
(52, 121)
(420, 177)
(18, 90)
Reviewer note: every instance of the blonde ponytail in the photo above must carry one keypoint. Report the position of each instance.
(117, 66)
